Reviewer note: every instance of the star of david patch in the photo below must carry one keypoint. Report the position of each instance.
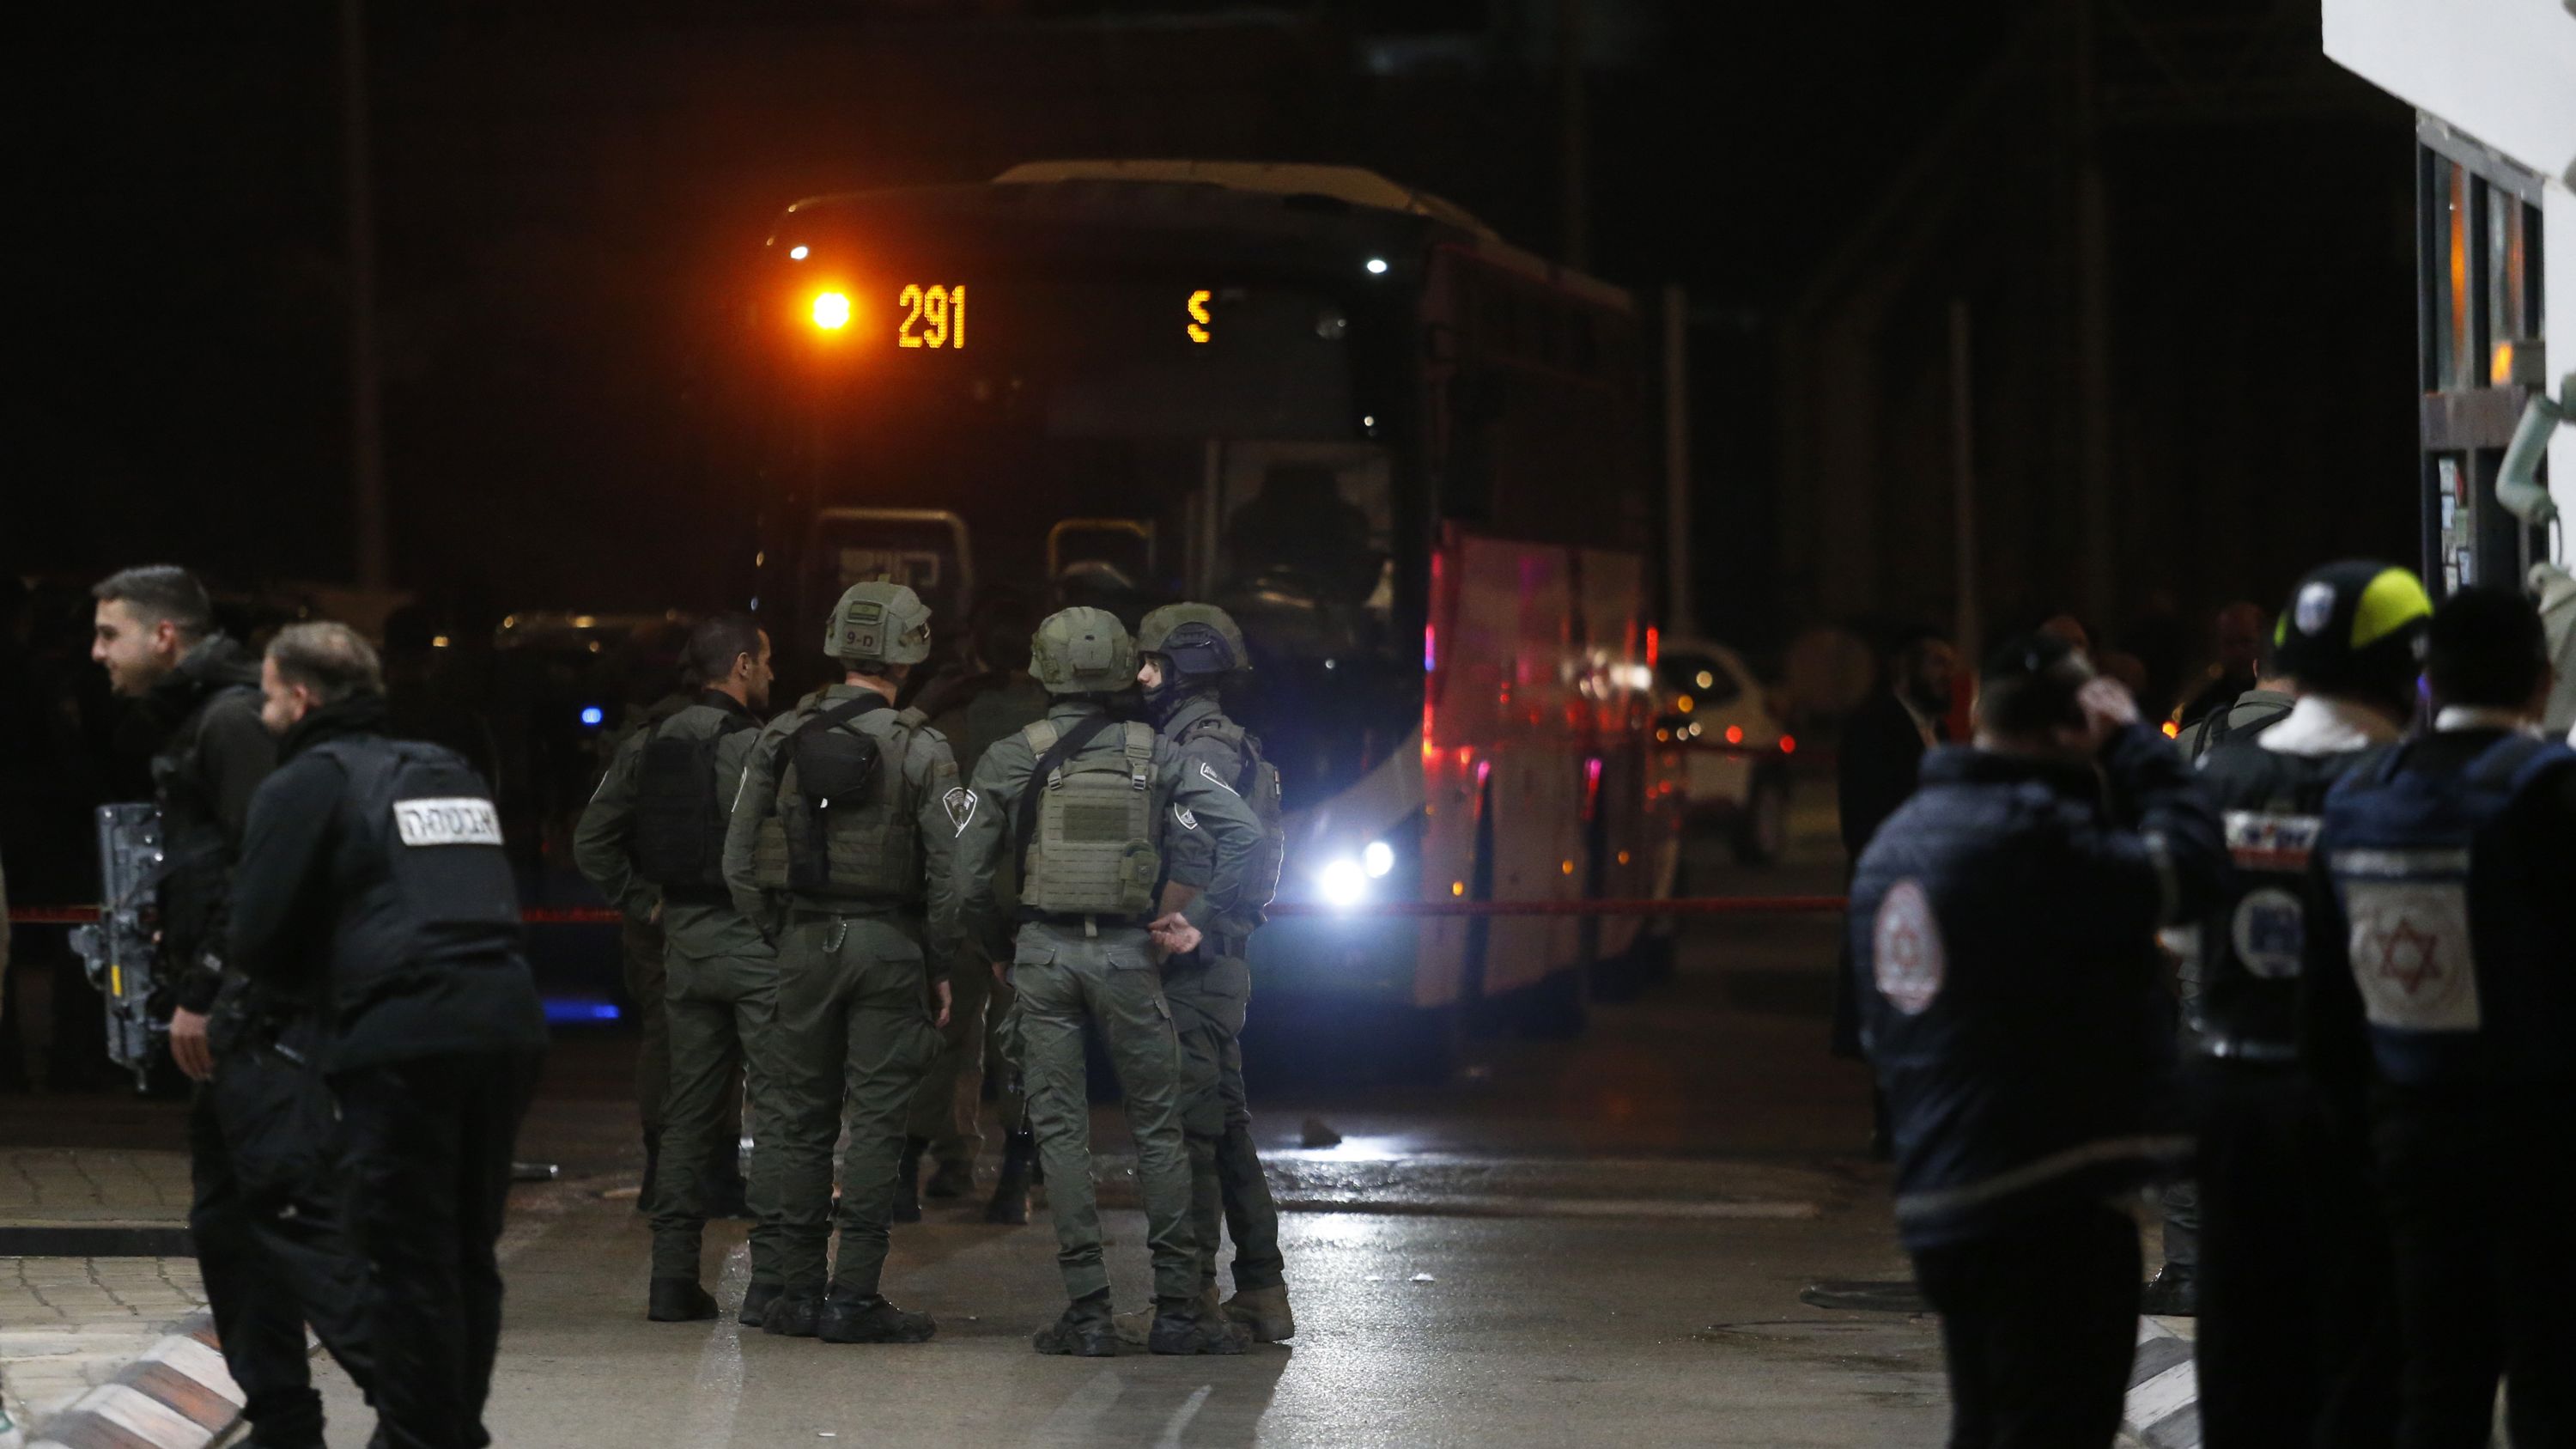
(1908, 959)
(960, 804)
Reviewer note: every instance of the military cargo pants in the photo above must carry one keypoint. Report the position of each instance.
(1062, 979)
(1209, 999)
(645, 986)
(721, 1014)
(949, 1108)
(854, 1027)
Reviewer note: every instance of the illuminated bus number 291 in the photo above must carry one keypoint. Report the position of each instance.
(939, 313)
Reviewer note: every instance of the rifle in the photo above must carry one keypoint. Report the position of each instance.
(120, 951)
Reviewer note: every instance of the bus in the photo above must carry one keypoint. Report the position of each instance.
(1411, 459)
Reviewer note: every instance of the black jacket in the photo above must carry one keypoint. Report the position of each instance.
(212, 758)
(2002, 934)
(306, 867)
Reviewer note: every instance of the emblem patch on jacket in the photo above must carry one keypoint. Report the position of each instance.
(1906, 959)
(960, 804)
(1182, 814)
(1213, 780)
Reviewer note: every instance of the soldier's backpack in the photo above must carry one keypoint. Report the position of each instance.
(1086, 827)
(1258, 783)
(846, 830)
(679, 821)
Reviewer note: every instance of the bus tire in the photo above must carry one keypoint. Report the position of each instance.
(1559, 1007)
(1761, 832)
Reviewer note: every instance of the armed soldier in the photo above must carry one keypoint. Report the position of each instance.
(839, 832)
(653, 841)
(1091, 807)
(1189, 651)
(273, 1251)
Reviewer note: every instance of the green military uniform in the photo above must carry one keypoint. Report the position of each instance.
(855, 1027)
(719, 1000)
(948, 1112)
(641, 947)
(1210, 992)
(1072, 966)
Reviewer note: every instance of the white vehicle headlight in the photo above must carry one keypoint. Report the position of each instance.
(1378, 859)
(1343, 882)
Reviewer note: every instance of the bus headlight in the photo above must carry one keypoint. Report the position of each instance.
(1344, 883)
(831, 310)
(1378, 859)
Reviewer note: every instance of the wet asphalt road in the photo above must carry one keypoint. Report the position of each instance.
(1595, 1243)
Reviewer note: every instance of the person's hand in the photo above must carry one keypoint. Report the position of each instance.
(2108, 709)
(1175, 934)
(947, 995)
(1001, 974)
(655, 918)
(188, 1045)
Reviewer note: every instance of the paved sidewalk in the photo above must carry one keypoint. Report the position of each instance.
(69, 1323)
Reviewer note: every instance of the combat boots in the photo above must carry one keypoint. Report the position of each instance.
(792, 1314)
(679, 1300)
(1082, 1332)
(851, 1318)
(755, 1303)
(1010, 1202)
(907, 1181)
(1137, 1324)
(1185, 1325)
(1263, 1312)
(953, 1179)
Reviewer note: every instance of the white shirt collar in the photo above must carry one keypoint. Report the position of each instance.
(2456, 717)
(2320, 725)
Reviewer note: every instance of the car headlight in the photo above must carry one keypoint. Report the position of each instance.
(1378, 859)
(1344, 883)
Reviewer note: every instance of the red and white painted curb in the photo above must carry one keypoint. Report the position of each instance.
(178, 1395)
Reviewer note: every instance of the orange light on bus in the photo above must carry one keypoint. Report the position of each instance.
(1686, 704)
(1457, 887)
(831, 310)
(2172, 729)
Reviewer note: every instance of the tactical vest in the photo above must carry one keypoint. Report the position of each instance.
(2453, 962)
(679, 816)
(2253, 942)
(843, 827)
(1258, 783)
(433, 889)
(1088, 835)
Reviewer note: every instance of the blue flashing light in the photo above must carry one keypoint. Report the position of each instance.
(570, 1011)
(592, 716)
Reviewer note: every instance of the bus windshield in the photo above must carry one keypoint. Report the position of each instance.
(1128, 442)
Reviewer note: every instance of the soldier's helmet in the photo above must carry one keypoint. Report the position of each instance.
(1083, 651)
(878, 623)
(2355, 626)
(1201, 640)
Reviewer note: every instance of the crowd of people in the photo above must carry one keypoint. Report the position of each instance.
(2311, 956)
(826, 904)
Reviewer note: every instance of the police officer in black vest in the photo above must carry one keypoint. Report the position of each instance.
(2292, 1271)
(267, 1269)
(2441, 991)
(2003, 928)
(373, 891)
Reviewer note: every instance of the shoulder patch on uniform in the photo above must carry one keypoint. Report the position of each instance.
(1907, 960)
(1182, 814)
(1212, 779)
(960, 804)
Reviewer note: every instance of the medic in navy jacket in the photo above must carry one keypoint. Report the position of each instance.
(2003, 937)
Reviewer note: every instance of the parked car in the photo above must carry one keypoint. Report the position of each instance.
(1735, 773)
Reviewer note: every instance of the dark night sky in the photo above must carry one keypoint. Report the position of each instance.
(562, 188)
